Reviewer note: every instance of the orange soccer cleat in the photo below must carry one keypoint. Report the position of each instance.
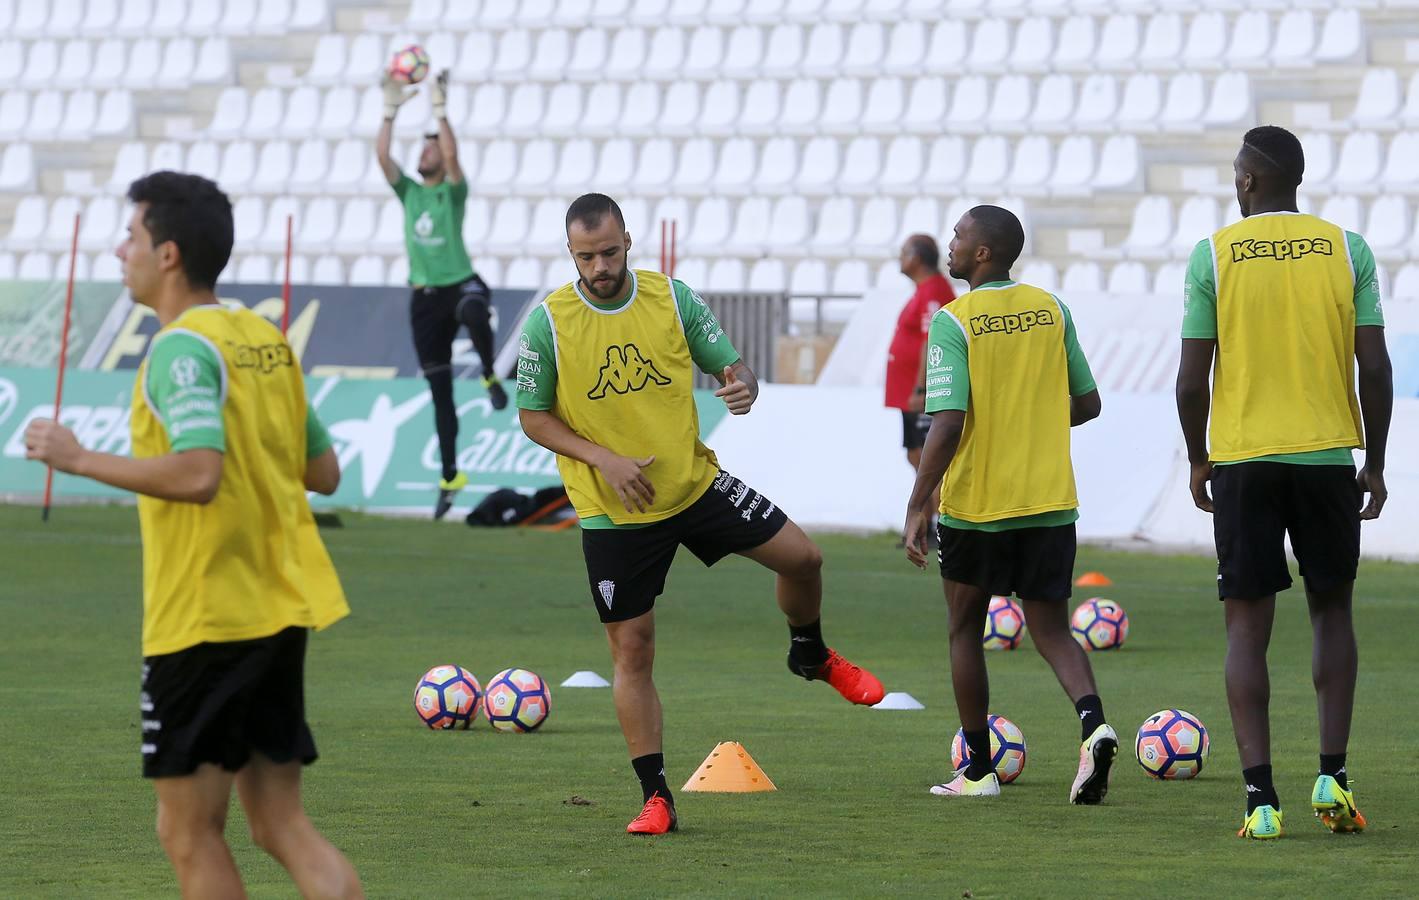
(657, 817)
(855, 683)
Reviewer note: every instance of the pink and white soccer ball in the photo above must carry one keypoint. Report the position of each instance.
(447, 697)
(1004, 624)
(1007, 749)
(517, 700)
(1099, 624)
(409, 65)
(1172, 744)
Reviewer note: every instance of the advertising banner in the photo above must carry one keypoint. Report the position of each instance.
(383, 432)
(353, 332)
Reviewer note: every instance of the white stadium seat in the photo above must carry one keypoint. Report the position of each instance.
(1401, 171)
(328, 269)
(367, 271)
(1379, 100)
(837, 218)
(1034, 45)
(778, 166)
(1098, 103)
(1128, 278)
(1342, 37)
(1358, 166)
(40, 64)
(842, 107)
(1387, 226)
(719, 116)
(927, 102)
(694, 170)
(17, 168)
(1119, 42)
(1152, 226)
(1343, 210)
(735, 171)
(1074, 51)
(818, 170)
(802, 103)
(681, 113)
(902, 167)
(35, 266)
(824, 53)
(1250, 45)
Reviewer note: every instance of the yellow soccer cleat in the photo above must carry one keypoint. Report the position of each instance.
(1262, 824)
(448, 489)
(961, 786)
(1335, 806)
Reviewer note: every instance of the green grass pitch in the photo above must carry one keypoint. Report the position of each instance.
(476, 813)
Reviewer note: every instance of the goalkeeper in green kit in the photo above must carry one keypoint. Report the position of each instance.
(446, 294)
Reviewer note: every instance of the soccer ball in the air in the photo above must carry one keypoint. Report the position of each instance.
(1172, 744)
(1004, 624)
(517, 700)
(1007, 749)
(1099, 624)
(447, 697)
(409, 65)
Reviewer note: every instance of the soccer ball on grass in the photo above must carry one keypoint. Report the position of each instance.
(517, 700)
(1172, 744)
(447, 697)
(1007, 749)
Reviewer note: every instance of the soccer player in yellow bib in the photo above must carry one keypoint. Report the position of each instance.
(234, 572)
(604, 380)
(1005, 381)
(1286, 305)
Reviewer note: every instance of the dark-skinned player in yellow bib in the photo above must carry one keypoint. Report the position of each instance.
(1282, 309)
(1005, 382)
(605, 374)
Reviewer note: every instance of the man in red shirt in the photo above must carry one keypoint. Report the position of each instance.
(906, 374)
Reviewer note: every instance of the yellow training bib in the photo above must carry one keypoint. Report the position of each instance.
(1285, 375)
(250, 563)
(1014, 454)
(625, 382)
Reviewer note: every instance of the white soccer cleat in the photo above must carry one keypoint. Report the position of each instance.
(1096, 759)
(961, 786)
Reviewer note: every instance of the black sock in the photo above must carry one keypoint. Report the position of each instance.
(807, 647)
(1091, 714)
(445, 419)
(650, 769)
(978, 743)
(1260, 790)
(1333, 764)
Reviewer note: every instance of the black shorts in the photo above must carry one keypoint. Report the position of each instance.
(914, 429)
(435, 320)
(217, 703)
(1031, 563)
(626, 567)
(1255, 504)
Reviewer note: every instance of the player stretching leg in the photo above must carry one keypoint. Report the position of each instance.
(604, 381)
(1289, 307)
(446, 294)
(234, 572)
(1005, 381)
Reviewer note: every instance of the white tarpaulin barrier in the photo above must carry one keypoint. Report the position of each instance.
(831, 455)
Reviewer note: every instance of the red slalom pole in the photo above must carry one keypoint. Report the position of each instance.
(674, 231)
(286, 282)
(662, 248)
(63, 359)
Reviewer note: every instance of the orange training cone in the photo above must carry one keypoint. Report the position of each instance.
(729, 769)
(1093, 579)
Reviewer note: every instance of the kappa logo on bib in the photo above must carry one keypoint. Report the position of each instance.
(624, 371)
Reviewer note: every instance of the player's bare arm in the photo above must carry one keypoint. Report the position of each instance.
(322, 473)
(395, 96)
(448, 147)
(1194, 397)
(1085, 408)
(624, 473)
(739, 387)
(1376, 388)
(936, 455)
(191, 476)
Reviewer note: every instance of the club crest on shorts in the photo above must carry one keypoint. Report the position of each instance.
(608, 591)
